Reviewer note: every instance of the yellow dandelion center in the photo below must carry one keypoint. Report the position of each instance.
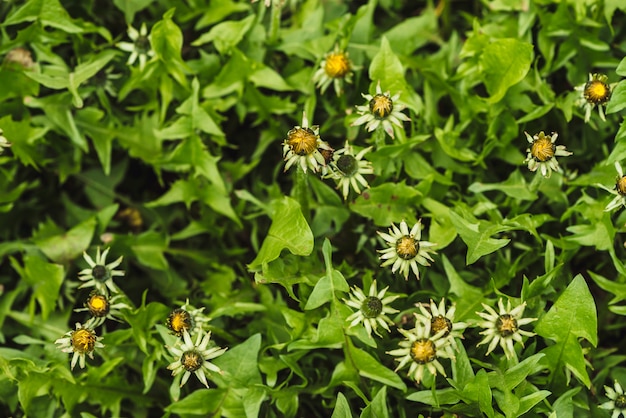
(597, 92)
(302, 141)
(98, 305)
(542, 149)
(191, 360)
(423, 351)
(381, 106)
(348, 165)
(83, 340)
(100, 273)
(620, 402)
(407, 247)
(371, 307)
(439, 323)
(620, 186)
(337, 65)
(506, 325)
(179, 320)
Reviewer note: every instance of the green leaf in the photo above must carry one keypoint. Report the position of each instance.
(130, 7)
(205, 402)
(66, 247)
(143, 320)
(572, 316)
(378, 407)
(226, 35)
(470, 297)
(477, 236)
(371, 368)
(479, 391)
(45, 280)
(621, 68)
(388, 203)
(342, 408)
(240, 364)
(448, 396)
(85, 71)
(515, 186)
(289, 230)
(149, 248)
(325, 288)
(618, 98)
(47, 12)
(504, 63)
(412, 33)
(329, 333)
(167, 41)
(387, 68)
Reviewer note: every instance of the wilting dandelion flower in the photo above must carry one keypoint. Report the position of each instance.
(194, 358)
(381, 109)
(406, 250)
(99, 274)
(140, 46)
(186, 318)
(542, 153)
(619, 190)
(372, 309)
(422, 349)
(503, 327)
(335, 69)
(442, 320)
(81, 341)
(303, 147)
(595, 92)
(348, 169)
(617, 401)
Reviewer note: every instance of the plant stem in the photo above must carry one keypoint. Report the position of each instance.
(379, 136)
(301, 192)
(274, 24)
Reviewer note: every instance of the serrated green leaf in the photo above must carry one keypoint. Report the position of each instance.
(48, 12)
(45, 281)
(289, 230)
(477, 236)
(572, 316)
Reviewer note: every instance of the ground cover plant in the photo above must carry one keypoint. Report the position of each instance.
(309, 208)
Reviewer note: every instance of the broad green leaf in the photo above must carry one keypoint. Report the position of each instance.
(621, 68)
(470, 297)
(204, 402)
(142, 321)
(412, 33)
(479, 391)
(598, 234)
(325, 288)
(504, 63)
(66, 247)
(618, 289)
(226, 35)
(388, 203)
(329, 333)
(447, 396)
(516, 374)
(58, 109)
(167, 41)
(515, 186)
(564, 406)
(45, 281)
(371, 368)
(130, 7)
(477, 236)
(526, 403)
(378, 407)
(240, 364)
(387, 68)
(572, 316)
(289, 230)
(342, 408)
(85, 71)
(47, 12)
(618, 98)
(149, 248)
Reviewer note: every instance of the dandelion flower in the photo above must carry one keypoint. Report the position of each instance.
(542, 153)
(335, 69)
(619, 190)
(303, 145)
(140, 46)
(4, 143)
(186, 318)
(81, 341)
(102, 307)
(406, 250)
(372, 310)
(617, 401)
(442, 320)
(194, 358)
(99, 274)
(503, 327)
(595, 92)
(348, 169)
(381, 110)
(422, 349)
